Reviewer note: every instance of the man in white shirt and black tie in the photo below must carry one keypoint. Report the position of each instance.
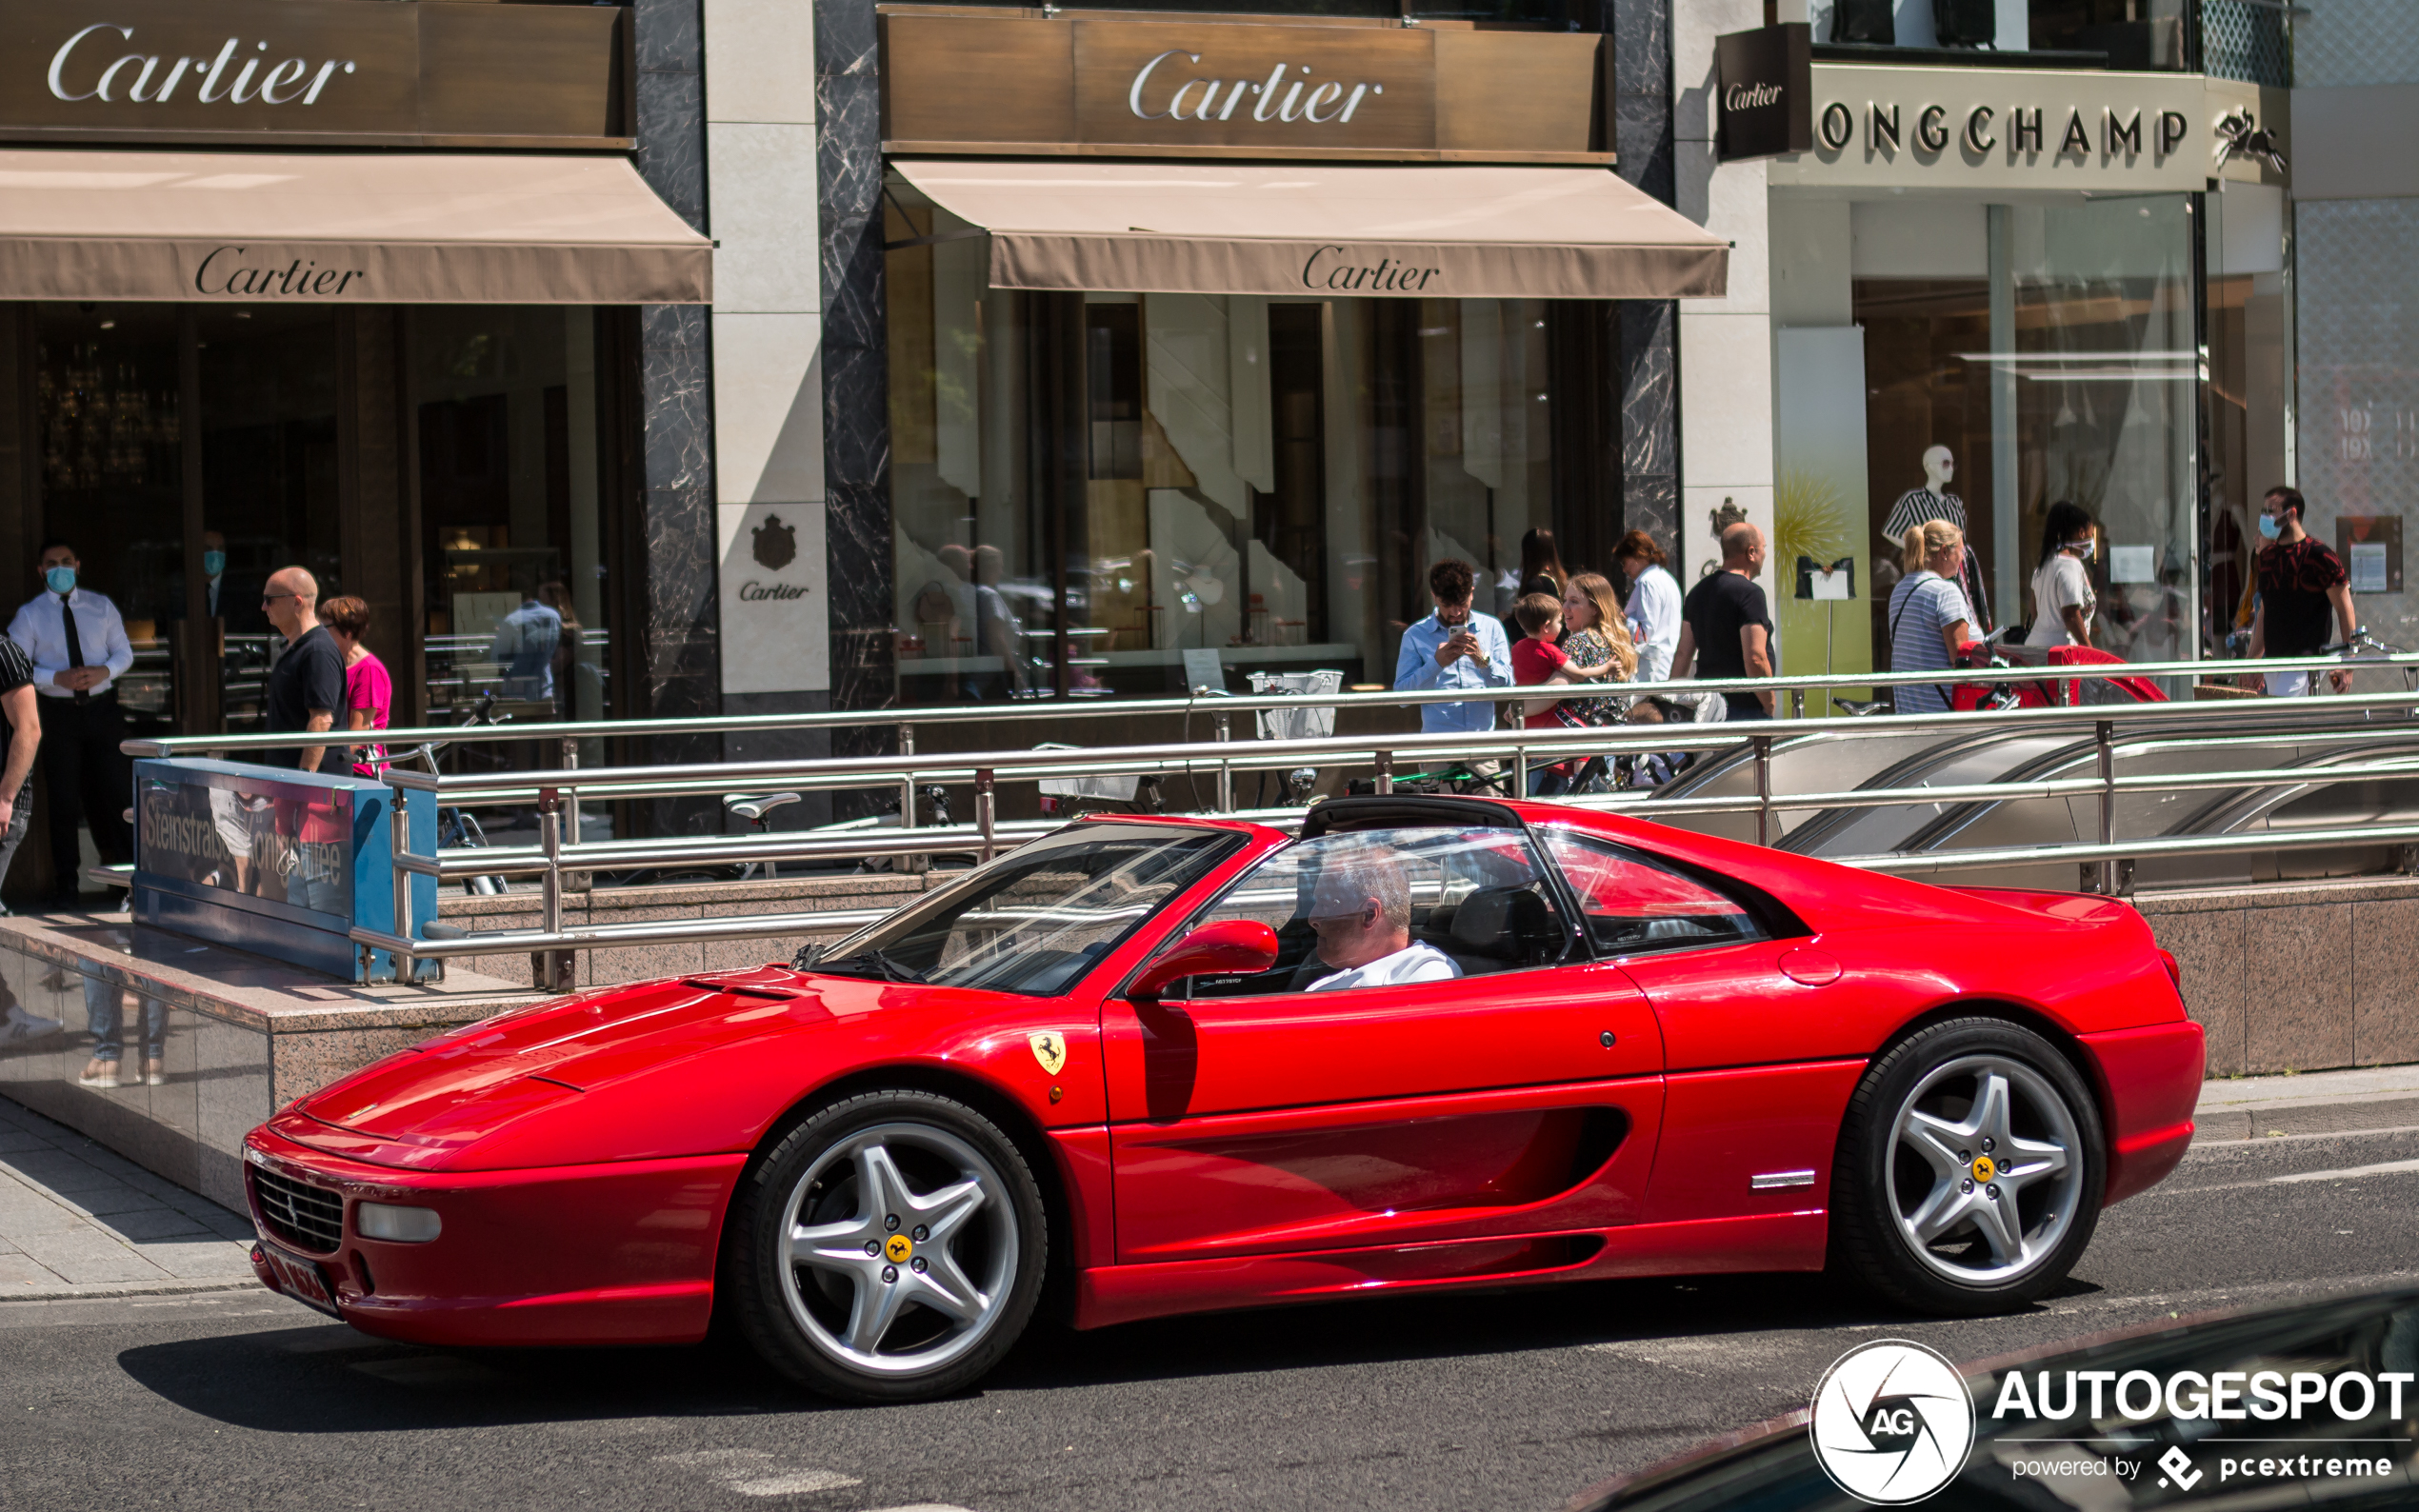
(79, 649)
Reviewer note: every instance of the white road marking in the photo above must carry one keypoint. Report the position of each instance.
(2383, 1168)
(753, 1472)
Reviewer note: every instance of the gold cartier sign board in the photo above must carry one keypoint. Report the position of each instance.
(1176, 88)
(314, 72)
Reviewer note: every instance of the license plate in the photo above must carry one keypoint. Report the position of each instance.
(301, 1280)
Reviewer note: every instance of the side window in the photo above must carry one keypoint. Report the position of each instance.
(1632, 903)
(1383, 908)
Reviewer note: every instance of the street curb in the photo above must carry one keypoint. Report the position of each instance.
(2325, 1116)
(137, 1288)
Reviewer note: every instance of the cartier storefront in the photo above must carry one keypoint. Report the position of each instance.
(344, 285)
(1208, 335)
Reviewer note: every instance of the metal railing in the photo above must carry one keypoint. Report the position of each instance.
(555, 794)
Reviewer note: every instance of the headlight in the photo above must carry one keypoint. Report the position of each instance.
(401, 1226)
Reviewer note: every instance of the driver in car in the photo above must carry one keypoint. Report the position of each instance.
(1361, 908)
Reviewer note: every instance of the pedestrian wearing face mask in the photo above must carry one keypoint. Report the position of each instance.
(2300, 581)
(2061, 596)
(79, 649)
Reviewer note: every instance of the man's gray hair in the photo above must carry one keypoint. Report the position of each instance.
(1370, 869)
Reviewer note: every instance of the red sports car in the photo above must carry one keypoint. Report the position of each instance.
(1159, 1066)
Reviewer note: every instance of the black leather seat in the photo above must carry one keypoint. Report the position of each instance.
(1500, 928)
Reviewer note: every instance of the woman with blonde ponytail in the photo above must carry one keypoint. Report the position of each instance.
(1929, 620)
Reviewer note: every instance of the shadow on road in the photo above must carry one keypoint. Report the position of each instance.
(333, 1380)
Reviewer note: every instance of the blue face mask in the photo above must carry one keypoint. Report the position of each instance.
(61, 579)
(2270, 527)
(213, 563)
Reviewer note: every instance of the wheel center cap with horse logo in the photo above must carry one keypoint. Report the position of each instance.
(897, 1248)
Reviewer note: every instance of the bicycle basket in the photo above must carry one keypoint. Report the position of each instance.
(1307, 723)
(1117, 789)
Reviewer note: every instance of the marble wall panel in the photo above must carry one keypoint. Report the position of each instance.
(676, 403)
(2208, 955)
(2299, 1019)
(2385, 1007)
(856, 388)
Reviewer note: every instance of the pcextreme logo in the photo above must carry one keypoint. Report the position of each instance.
(1892, 1423)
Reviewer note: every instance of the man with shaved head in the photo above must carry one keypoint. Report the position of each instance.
(1726, 631)
(307, 686)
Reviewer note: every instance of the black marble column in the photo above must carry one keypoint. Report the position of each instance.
(1647, 365)
(857, 379)
(676, 504)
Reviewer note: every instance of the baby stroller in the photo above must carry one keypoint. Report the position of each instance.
(2047, 693)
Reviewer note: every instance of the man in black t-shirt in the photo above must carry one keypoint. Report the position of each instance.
(1726, 631)
(21, 738)
(307, 686)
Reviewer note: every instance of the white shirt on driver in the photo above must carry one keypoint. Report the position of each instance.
(1417, 962)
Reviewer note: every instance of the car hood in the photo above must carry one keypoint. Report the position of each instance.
(473, 1084)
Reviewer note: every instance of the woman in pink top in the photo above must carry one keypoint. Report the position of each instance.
(370, 693)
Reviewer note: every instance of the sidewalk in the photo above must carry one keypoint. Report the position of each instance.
(79, 1221)
(2314, 1103)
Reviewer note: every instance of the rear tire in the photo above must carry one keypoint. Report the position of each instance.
(1969, 1171)
(888, 1248)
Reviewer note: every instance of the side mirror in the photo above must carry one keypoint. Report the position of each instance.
(1237, 945)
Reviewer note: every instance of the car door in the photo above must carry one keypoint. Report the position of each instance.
(1755, 1085)
(1264, 1115)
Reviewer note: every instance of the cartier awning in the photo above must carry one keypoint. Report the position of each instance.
(390, 227)
(1221, 227)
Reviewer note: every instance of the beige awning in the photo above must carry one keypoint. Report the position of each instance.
(358, 228)
(1455, 230)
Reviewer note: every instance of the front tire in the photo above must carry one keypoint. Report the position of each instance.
(1970, 1173)
(888, 1248)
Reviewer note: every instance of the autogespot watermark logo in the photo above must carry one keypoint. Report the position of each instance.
(1892, 1421)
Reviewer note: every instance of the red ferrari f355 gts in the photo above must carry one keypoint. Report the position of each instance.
(1146, 1067)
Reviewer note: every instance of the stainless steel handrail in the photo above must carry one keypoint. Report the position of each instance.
(2145, 726)
(1056, 710)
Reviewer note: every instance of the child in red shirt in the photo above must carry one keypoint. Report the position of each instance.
(1536, 659)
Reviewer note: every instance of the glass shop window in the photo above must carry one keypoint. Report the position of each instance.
(512, 564)
(1111, 494)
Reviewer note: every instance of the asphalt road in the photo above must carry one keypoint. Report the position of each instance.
(1517, 1400)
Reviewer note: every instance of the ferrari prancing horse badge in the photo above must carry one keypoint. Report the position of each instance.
(1049, 1049)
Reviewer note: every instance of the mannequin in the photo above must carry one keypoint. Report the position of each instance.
(1934, 502)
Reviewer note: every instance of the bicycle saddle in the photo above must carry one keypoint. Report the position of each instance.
(1858, 705)
(753, 806)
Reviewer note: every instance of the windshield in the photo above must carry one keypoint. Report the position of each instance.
(1037, 919)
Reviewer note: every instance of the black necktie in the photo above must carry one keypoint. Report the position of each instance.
(75, 643)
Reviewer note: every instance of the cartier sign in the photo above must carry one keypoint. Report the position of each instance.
(1766, 79)
(1170, 88)
(330, 71)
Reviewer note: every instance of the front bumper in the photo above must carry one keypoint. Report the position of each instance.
(616, 1253)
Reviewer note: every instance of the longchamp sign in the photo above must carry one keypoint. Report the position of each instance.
(329, 72)
(1172, 89)
(2003, 128)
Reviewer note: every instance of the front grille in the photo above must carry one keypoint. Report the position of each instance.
(309, 1217)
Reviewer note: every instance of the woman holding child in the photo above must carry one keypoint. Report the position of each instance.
(1580, 640)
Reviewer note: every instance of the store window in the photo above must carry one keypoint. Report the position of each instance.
(512, 557)
(2013, 356)
(110, 403)
(1118, 495)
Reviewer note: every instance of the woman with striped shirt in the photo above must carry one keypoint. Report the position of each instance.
(1928, 615)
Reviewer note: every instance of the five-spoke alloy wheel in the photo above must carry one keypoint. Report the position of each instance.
(1969, 1171)
(888, 1248)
